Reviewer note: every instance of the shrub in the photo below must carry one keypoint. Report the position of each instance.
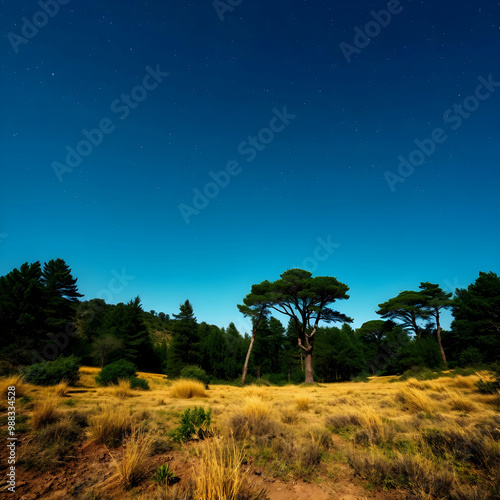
(53, 372)
(193, 423)
(121, 369)
(187, 389)
(139, 383)
(194, 372)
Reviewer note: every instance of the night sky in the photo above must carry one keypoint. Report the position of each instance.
(186, 150)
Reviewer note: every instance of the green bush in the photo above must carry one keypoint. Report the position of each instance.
(471, 357)
(194, 372)
(53, 372)
(139, 383)
(194, 422)
(121, 369)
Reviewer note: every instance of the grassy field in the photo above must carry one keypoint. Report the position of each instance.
(431, 439)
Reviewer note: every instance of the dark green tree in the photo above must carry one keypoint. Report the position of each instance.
(339, 354)
(435, 300)
(125, 323)
(407, 307)
(184, 348)
(476, 312)
(23, 313)
(306, 300)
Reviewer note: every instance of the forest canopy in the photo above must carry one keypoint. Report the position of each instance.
(43, 318)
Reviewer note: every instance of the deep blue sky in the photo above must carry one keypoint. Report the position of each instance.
(321, 177)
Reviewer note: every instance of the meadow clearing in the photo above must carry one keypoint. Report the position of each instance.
(429, 439)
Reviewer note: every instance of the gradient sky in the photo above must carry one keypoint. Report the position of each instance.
(321, 177)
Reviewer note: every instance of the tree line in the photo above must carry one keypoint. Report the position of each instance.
(43, 317)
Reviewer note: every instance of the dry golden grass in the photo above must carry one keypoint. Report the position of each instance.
(187, 389)
(21, 388)
(132, 465)
(303, 403)
(220, 475)
(256, 391)
(396, 435)
(122, 389)
(45, 412)
(61, 389)
(110, 425)
(256, 407)
(459, 402)
(414, 400)
(289, 414)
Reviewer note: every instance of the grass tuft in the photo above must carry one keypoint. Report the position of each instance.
(110, 426)
(131, 467)
(45, 412)
(185, 388)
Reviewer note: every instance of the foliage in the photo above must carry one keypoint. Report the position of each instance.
(476, 312)
(194, 372)
(121, 369)
(53, 372)
(139, 383)
(164, 475)
(194, 422)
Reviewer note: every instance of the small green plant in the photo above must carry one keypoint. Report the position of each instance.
(53, 372)
(164, 475)
(194, 422)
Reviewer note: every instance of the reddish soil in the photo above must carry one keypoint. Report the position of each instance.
(92, 465)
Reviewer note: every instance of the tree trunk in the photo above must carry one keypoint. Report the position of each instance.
(247, 359)
(438, 335)
(309, 368)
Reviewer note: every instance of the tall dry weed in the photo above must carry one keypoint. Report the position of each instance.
(132, 465)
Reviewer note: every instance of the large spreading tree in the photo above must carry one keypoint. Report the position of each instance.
(406, 307)
(307, 301)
